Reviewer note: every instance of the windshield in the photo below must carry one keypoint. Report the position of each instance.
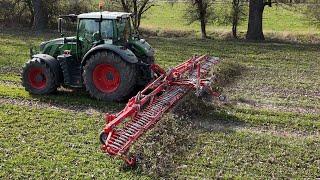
(87, 28)
(89, 32)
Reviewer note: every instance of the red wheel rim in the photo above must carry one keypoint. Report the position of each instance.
(106, 78)
(36, 77)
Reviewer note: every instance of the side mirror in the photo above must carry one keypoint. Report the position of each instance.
(60, 26)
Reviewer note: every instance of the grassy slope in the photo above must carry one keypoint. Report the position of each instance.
(163, 16)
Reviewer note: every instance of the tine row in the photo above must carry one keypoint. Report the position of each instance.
(143, 120)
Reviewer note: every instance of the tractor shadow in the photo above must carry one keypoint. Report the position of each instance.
(77, 100)
(177, 134)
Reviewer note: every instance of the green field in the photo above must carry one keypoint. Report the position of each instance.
(165, 17)
(269, 128)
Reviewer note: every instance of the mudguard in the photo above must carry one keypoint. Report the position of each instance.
(125, 54)
(52, 62)
(45, 57)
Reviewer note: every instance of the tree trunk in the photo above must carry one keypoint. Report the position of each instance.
(255, 31)
(202, 14)
(203, 29)
(40, 16)
(235, 17)
(234, 31)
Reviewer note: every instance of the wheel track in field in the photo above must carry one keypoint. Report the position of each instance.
(222, 126)
(9, 69)
(279, 108)
(11, 83)
(87, 109)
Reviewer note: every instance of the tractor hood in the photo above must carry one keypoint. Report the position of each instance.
(53, 47)
(45, 44)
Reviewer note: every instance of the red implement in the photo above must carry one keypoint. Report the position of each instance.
(147, 107)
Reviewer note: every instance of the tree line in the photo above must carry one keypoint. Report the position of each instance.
(204, 12)
(41, 14)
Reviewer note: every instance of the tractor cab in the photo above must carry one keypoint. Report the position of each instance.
(98, 28)
(105, 56)
(103, 28)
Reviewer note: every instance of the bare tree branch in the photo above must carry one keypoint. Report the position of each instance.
(137, 8)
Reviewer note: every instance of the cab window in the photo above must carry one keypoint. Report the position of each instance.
(89, 32)
(107, 29)
(124, 30)
(87, 29)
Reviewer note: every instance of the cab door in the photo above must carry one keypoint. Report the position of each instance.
(88, 30)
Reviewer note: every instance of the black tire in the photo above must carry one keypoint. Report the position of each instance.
(39, 78)
(103, 137)
(125, 73)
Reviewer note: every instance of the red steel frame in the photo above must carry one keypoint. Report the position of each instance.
(187, 75)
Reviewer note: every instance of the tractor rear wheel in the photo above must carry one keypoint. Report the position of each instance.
(39, 78)
(109, 78)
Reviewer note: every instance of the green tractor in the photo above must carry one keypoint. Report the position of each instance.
(106, 57)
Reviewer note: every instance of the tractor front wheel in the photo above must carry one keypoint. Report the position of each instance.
(109, 78)
(39, 78)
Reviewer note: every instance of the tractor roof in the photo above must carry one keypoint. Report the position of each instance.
(105, 15)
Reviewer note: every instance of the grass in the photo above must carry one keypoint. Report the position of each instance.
(270, 128)
(58, 144)
(231, 156)
(37, 143)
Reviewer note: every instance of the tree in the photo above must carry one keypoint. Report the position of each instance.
(230, 12)
(136, 7)
(256, 8)
(40, 15)
(200, 10)
(237, 16)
